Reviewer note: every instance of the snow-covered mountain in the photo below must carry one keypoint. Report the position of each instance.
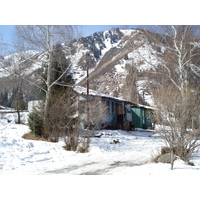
(10, 62)
(109, 56)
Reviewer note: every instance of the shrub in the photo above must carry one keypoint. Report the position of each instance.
(35, 123)
(84, 145)
(71, 142)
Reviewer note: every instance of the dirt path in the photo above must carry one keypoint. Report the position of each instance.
(93, 168)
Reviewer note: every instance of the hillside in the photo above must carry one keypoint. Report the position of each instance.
(110, 53)
(110, 56)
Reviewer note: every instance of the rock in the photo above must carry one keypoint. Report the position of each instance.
(115, 142)
(165, 158)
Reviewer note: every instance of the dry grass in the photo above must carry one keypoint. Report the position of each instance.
(32, 136)
(155, 159)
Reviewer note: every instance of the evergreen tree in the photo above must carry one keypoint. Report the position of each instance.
(4, 98)
(60, 110)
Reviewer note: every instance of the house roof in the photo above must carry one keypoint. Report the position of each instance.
(2, 108)
(6, 109)
(83, 90)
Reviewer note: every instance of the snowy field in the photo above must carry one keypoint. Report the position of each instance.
(21, 161)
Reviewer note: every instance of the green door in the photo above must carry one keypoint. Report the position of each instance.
(137, 117)
(148, 119)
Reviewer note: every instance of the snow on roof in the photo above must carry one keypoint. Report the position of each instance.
(147, 107)
(83, 90)
(2, 108)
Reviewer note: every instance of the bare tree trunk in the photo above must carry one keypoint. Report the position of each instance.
(172, 151)
(45, 118)
(88, 109)
(172, 159)
(18, 117)
(48, 94)
(88, 85)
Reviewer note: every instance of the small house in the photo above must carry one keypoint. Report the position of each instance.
(111, 112)
(106, 111)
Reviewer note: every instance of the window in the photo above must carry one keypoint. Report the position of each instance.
(108, 106)
(128, 108)
(120, 109)
(117, 108)
(113, 108)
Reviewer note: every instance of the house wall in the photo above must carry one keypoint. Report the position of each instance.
(141, 118)
(118, 114)
(137, 117)
(129, 113)
(114, 115)
(112, 118)
(148, 118)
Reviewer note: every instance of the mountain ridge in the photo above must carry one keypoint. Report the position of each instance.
(109, 56)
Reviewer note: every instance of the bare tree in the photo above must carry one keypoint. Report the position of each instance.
(18, 100)
(63, 118)
(93, 120)
(178, 56)
(180, 49)
(45, 38)
(173, 115)
(17, 79)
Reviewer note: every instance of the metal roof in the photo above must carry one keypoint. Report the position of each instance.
(83, 90)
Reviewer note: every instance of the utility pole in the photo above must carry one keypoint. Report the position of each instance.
(88, 109)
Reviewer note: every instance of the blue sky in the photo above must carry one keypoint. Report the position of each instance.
(7, 31)
(89, 29)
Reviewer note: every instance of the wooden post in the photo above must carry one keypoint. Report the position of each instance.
(88, 109)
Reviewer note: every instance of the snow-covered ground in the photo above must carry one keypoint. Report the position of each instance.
(130, 157)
